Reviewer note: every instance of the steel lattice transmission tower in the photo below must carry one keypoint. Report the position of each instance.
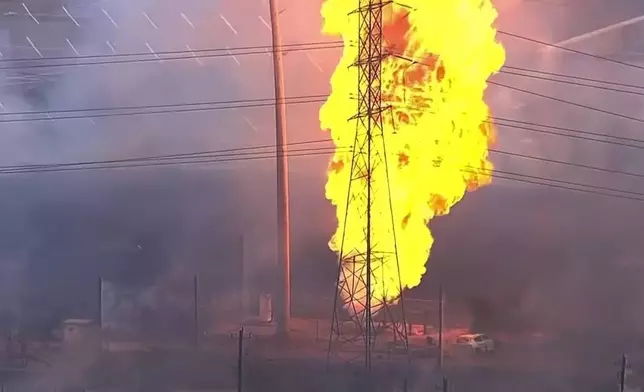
(374, 321)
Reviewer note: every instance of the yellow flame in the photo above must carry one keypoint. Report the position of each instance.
(436, 133)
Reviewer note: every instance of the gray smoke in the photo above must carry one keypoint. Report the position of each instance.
(537, 258)
(137, 226)
(528, 259)
(63, 230)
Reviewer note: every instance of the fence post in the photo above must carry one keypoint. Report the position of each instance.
(195, 294)
(240, 359)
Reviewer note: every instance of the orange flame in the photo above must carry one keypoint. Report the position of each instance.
(437, 134)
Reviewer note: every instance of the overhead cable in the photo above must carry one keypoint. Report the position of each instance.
(179, 108)
(189, 107)
(263, 49)
(158, 58)
(255, 153)
(173, 52)
(580, 52)
(220, 158)
(575, 83)
(573, 133)
(569, 76)
(566, 163)
(567, 102)
(517, 177)
(159, 106)
(199, 154)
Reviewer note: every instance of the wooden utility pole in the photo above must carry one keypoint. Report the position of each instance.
(622, 374)
(440, 327)
(244, 292)
(240, 359)
(283, 284)
(99, 316)
(195, 309)
(101, 338)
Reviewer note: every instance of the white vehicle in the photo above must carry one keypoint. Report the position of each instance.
(476, 342)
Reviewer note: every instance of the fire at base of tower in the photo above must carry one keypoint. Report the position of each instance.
(437, 58)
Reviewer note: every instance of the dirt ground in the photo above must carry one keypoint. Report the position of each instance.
(267, 367)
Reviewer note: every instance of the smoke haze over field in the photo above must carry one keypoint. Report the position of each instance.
(539, 258)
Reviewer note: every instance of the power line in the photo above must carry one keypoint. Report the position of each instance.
(578, 165)
(577, 134)
(235, 154)
(571, 103)
(264, 48)
(560, 100)
(239, 105)
(537, 72)
(254, 50)
(318, 98)
(295, 46)
(573, 83)
(187, 161)
(220, 156)
(574, 3)
(239, 151)
(305, 99)
(200, 154)
(548, 2)
(565, 187)
(563, 75)
(172, 52)
(512, 70)
(554, 183)
(235, 104)
(571, 183)
(158, 106)
(255, 103)
(595, 56)
(154, 59)
(247, 153)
